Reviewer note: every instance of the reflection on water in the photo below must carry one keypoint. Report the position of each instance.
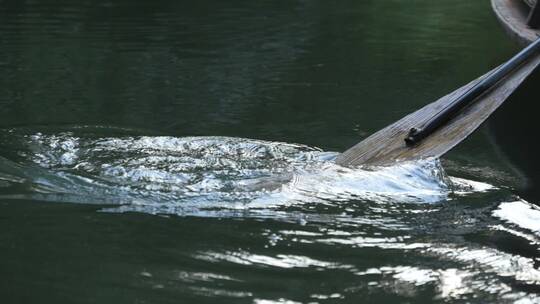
(404, 214)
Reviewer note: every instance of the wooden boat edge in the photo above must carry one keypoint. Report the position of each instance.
(513, 18)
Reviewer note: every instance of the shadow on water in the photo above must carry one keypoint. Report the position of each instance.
(513, 129)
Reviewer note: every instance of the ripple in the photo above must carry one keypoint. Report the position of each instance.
(279, 261)
(428, 230)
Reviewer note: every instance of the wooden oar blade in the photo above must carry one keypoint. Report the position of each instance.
(387, 145)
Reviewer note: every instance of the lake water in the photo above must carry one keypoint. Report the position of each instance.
(179, 152)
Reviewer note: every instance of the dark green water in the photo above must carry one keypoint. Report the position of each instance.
(111, 191)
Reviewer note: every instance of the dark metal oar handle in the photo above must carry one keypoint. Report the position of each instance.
(447, 113)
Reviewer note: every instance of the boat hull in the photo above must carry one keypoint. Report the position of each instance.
(513, 15)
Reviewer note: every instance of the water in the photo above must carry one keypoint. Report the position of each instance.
(171, 152)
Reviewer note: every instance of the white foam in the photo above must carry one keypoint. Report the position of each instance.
(205, 176)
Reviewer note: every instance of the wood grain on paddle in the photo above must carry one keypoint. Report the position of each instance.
(387, 145)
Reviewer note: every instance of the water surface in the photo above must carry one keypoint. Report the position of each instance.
(179, 152)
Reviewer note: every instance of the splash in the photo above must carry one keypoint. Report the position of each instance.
(208, 176)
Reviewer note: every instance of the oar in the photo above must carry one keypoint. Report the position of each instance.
(438, 127)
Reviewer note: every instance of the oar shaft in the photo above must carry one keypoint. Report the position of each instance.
(465, 99)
